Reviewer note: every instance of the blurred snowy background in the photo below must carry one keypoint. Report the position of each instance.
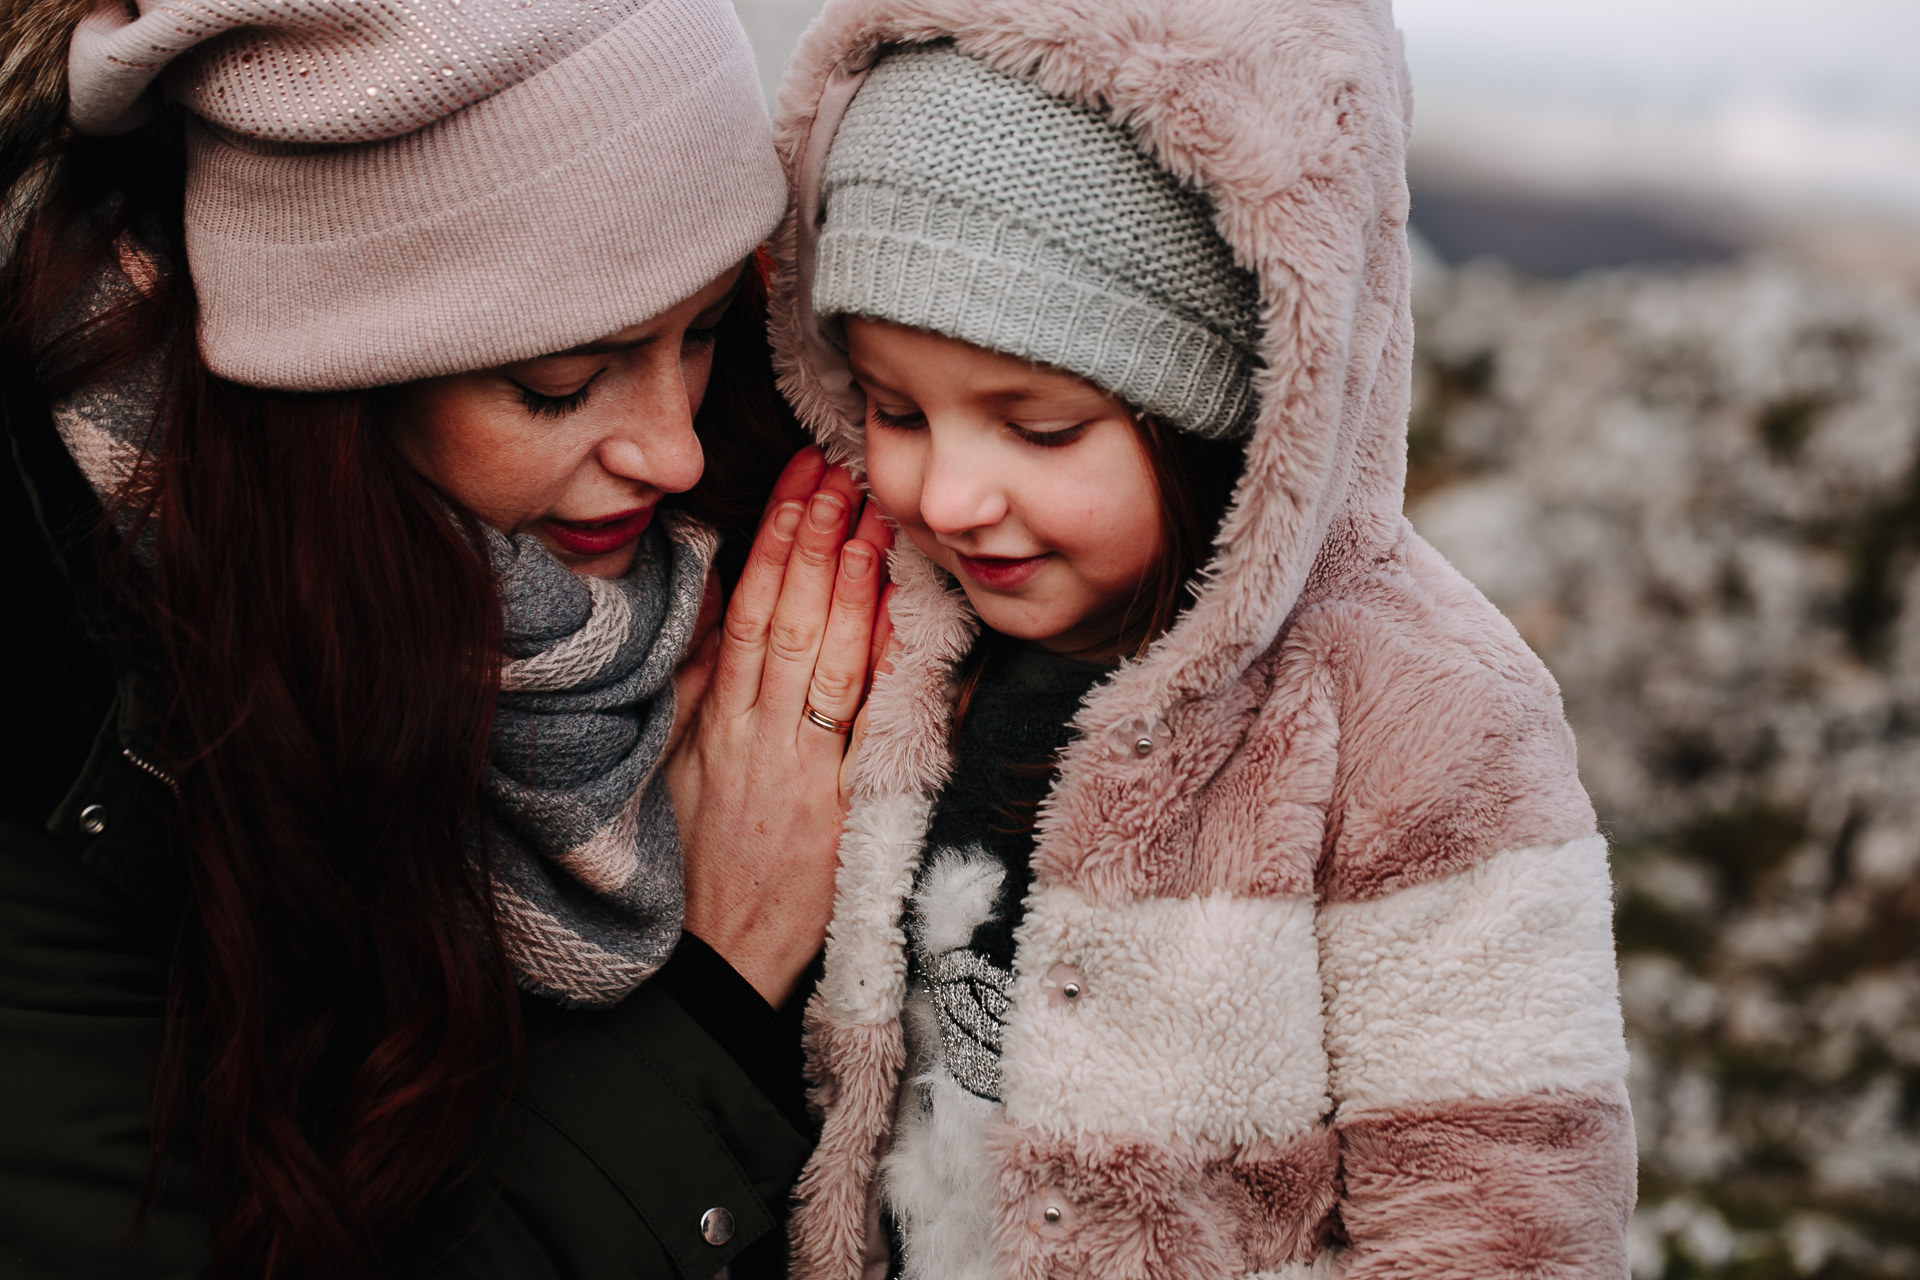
(1667, 416)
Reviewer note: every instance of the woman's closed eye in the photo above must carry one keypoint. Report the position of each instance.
(543, 404)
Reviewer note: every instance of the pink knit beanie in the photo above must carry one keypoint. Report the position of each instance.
(386, 190)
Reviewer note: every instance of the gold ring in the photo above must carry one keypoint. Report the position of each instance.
(826, 722)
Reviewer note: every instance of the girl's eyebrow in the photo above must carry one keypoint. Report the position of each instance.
(1001, 396)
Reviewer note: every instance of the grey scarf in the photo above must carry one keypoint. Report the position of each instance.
(574, 817)
(574, 811)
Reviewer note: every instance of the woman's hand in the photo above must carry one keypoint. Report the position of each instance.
(758, 785)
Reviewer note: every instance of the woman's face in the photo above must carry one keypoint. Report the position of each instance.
(577, 447)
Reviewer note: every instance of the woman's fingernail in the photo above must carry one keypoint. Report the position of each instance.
(786, 519)
(856, 562)
(826, 512)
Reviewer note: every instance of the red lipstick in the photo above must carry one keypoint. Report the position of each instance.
(598, 537)
(1000, 573)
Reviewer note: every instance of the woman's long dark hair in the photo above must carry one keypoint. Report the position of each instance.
(328, 638)
(328, 635)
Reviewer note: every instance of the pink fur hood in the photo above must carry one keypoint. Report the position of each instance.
(1343, 925)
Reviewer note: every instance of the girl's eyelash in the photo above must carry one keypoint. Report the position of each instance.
(899, 422)
(704, 337)
(1050, 439)
(1040, 439)
(555, 406)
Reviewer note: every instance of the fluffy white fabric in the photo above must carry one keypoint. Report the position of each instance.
(938, 1179)
(866, 969)
(955, 897)
(1200, 1018)
(1496, 981)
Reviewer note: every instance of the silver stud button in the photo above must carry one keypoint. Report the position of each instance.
(1052, 1215)
(93, 819)
(1138, 736)
(1065, 985)
(716, 1226)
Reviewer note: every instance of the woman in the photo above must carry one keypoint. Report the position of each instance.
(352, 361)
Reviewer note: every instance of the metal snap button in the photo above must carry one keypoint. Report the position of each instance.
(716, 1226)
(1065, 985)
(93, 819)
(1138, 736)
(1051, 1214)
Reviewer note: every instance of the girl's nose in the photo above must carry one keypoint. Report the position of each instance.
(961, 490)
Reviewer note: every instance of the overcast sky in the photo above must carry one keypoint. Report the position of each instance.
(1839, 52)
(1783, 104)
(1768, 106)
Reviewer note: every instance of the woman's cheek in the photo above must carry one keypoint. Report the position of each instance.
(696, 368)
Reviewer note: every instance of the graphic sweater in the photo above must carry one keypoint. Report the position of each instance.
(967, 902)
(1314, 976)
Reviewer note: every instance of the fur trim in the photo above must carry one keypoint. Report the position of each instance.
(866, 967)
(855, 1071)
(1498, 980)
(1538, 1187)
(1452, 741)
(1233, 798)
(905, 748)
(1130, 1206)
(1198, 1018)
(1330, 1265)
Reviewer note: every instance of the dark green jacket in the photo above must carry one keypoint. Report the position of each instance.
(628, 1126)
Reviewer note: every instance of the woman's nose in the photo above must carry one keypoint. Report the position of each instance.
(655, 443)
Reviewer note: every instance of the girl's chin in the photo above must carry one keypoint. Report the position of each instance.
(1076, 635)
(1022, 624)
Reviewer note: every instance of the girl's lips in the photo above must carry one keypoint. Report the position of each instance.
(597, 537)
(1000, 573)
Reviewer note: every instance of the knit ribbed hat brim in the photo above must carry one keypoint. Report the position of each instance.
(969, 202)
(974, 274)
(589, 197)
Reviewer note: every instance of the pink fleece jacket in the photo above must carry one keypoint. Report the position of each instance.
(1343, 933)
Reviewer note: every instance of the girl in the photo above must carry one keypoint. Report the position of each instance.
(1219, 896)
(352, 357)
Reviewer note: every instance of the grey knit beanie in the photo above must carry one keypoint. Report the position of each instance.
(386, 190)
(972, 203)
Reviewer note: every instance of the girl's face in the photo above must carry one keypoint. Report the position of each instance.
(577, 447)
(1029, 485)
